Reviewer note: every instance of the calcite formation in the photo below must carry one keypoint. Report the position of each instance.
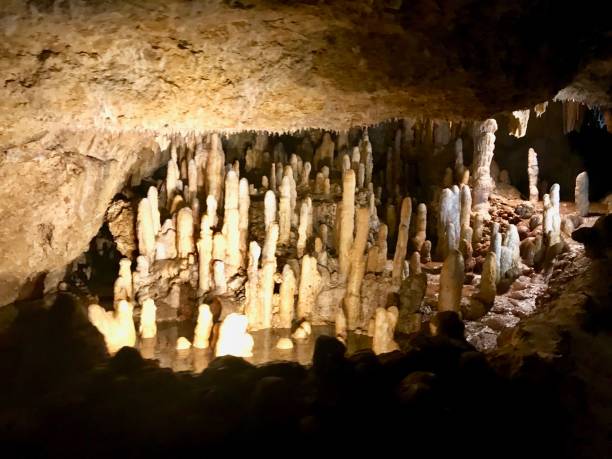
(533, 172)
(148, 323)
(451, 282)
(481, 166)
(117, 326)
(581, 194)
(203, 327)
(233, 337)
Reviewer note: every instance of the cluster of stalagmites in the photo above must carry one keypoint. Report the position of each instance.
(322, 238)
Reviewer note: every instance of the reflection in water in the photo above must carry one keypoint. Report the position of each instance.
(163, 347)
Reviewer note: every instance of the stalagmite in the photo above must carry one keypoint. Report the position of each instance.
(347, 223)
(253, 307)
(268, 269)
(517, 125)
(340, 326)
(451, 282)
(402, 238)
(177, 204)
(153, 198)
(211, 210)
(352, 298)
(481, 167)
(324, 155)
(219, 277)
(466, 206)
(140, 278)
(385, 321)
(284, 211)
(215, 169)
(117, 327)
(381, 243)
(319, 183)
(219, 254)
(302, 229)
(203, 327)
(415, 263)
(448, 221)
(173, 175)
(287, 298)
(123, 288)
(459, 167)
(309, 287)
(273, 177)
(426, 251)
(145, 230)
(233, 337)
(184, 233)
(148, 325)
(581, 194)
(532, 173)
(305, 178)
(205, 249)
(355, 160)
(192, 180)
(269, 208)
(488, 279)
(420, 226)
(244, 202)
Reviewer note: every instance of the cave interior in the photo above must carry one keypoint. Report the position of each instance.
(261, 224)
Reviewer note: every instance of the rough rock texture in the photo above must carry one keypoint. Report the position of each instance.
(54, 194)
(276, 65)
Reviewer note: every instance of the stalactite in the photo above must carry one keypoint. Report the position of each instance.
(573, 114)
(172, 178)
(540, 109)
(192, 180)
(517, 125)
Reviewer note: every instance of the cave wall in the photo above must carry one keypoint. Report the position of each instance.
(54, 194)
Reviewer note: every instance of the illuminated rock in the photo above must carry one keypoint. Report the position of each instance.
(215, 170)
(346, 223)
(203, 327)
(532, 173)
(402, 239)
(287, 298)
(182, 344)
(385, 321)
(145, 231)
(451, 282)
(205, 248)
(184, 233)
(309, 286)
(268, 270)
(233, 337)
(284, 211)
(148, 325)
(117, 327)
(123, 288)
(481, 166)
(253, 308)
(352, 298)
(284, 344)
(581, 194)
(420, 226)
